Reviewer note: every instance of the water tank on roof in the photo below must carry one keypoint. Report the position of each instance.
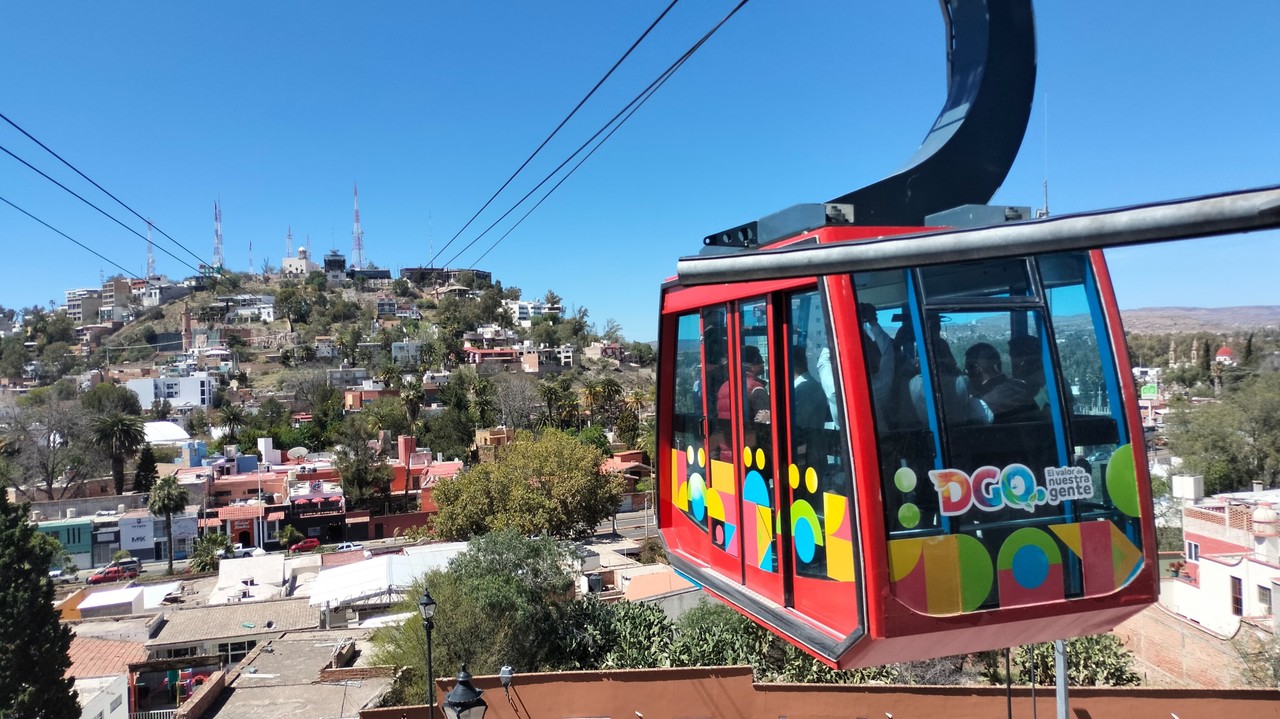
(71, 512)
(119, 509)
(1266, 522)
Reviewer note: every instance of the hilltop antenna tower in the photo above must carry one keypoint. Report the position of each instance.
(151, 257)
(217, 236)
(250, 256)
(357, 234)
(288, 242)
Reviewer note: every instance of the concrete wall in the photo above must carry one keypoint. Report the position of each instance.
(729, 692)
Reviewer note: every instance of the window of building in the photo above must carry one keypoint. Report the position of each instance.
(181, 652)
(1193, 551)
(233, 652)
(1237, 596)
(1264, 598)
(115, 703)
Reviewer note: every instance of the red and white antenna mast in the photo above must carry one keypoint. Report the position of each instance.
(151, 258)
(357, 234)
(217, 236)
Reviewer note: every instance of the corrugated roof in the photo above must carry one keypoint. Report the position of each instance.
(230, 620)
(92, 657)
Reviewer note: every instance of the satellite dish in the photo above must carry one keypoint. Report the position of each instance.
(299, 453)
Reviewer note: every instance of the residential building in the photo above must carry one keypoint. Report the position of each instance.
(347, 376)
(523, 311)
(83, 305)
(1232, 559)
(300, 266)
(426, 276)
(406, 352)
(335, 267)
(326, 347)
(117, 296)
(228, 630)
(386, 305)
(160, 293)
(252, 308)
(184, 393)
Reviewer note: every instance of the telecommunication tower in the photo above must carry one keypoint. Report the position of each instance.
(217, 235)
(250, 256)
(151, 257)
(357, 234)
(288, 242)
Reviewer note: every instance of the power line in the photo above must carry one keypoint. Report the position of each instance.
(104, 190)
(69, 237)
(566, 119)
(234, 283)
(75, 194)
(628, 110)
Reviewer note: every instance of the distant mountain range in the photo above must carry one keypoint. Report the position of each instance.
(1221, 320)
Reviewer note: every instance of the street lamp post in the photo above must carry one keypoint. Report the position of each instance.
(427, 608)
(464, 700)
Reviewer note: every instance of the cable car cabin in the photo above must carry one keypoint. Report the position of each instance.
(904, 463)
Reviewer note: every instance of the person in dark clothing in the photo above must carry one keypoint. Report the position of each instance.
(1006, 398)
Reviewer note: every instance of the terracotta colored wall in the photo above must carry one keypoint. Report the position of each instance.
(1173, 653)
(728, 693)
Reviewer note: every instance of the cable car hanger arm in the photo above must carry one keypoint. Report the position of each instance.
(1243, 211)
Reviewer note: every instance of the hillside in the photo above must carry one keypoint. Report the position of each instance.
(1218, 320)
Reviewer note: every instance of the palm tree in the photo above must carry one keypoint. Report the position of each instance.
(166, 498)
(412, 394)
(591, 393)
(233, 418)
(120, 435)
(208, 551)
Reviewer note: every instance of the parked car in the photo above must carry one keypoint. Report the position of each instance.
(306, 545)
(63, 576)
(131, 564)
(112, 574)
(239, 550)
(349, 547)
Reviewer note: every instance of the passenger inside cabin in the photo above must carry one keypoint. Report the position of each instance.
(1006, 399)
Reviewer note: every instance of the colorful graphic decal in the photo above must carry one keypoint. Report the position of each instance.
(708, 496)
(990, 489)
(828, 525)
(757, 512)
(956, 573)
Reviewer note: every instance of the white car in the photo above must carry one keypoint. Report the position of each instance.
(62, 576)
(348, 547)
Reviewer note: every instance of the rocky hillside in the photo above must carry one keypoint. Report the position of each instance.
(1218, 320)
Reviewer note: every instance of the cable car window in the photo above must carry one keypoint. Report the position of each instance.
(755, 414)
(1018, 403)
(689, 404)
(819, 484)
(968, 280)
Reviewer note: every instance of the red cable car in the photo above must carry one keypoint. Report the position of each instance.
(887, 448)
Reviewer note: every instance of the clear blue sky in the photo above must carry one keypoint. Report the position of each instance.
(277, 108)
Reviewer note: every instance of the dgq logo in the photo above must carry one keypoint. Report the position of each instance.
(1015, 486)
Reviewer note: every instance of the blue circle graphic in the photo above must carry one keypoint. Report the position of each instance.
(803, 540)
(1030, 566)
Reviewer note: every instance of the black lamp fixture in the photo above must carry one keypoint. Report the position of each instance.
(427, 608)
(464, 700)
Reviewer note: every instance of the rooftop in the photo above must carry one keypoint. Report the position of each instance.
(219, 621)
(92, 657)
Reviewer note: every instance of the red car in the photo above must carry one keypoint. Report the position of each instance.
(306, 545)
(112, 574)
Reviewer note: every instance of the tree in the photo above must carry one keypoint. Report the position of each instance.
(1099, 660)
(232, 417)
(208, 552)
(507, 588)
(549, 485)
(145, 474)
(628, 427)
(108, 397)
(1233, 442)
(289, 536)
(120, 435)
(35, 661)
(166, 498)
(50, 440)
(365, 476)
(516, 397)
